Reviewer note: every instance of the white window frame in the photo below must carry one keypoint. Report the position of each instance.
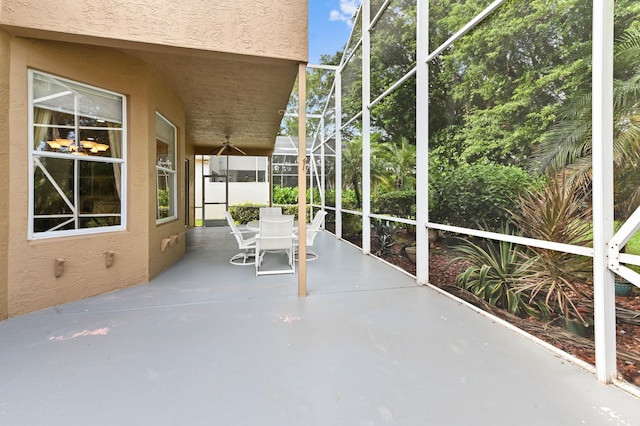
(35, 155)
(167, 171)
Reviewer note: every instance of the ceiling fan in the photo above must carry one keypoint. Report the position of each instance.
(228, 145)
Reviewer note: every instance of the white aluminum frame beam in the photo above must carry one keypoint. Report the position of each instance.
(602, 158)
(422, 142)
(366, 127)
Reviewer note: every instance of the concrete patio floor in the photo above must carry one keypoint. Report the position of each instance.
(208, 343)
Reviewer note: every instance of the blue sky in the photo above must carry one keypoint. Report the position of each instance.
(329, 26)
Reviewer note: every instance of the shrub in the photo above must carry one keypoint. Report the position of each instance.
(384, 231)
(493, 275)
(396, 203)
(558, 212)
(285, 195)
(244, 213)
(349, 200)
(351, 225)
(472, 194)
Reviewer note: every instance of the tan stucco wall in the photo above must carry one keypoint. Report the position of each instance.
(4, 170)
(166, 103)
(190, 155)
(276, 29)
(32, 284)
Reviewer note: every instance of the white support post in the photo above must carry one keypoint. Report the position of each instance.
(422, 143)
(602, 152)
(338, 159)
(366, 128)
(270, 168)
(302, 180)
(323, 174)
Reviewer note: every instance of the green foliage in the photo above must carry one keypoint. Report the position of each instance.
(558, 212)
(568, 143)
(397, 163)
(289, 196)
(396, 203)
(352, 170)
(502, 82)
(633, 246)
(318, 85)
(244, 213)
(472, 194)
(330, 197)
(493, 275)
(163, 198)
(384, 231)
(351, 225)
(285, 195)
(349, 199)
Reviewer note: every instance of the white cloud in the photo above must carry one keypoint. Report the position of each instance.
(347, 9)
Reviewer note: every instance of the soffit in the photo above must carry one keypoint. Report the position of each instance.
(241, 96)
(224, 94)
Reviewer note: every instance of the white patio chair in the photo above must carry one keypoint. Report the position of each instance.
(270, 211)
(248, 245)
(312, 231)
(275, 235)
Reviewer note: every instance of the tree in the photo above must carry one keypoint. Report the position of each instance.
(319, 83)
(568, 143)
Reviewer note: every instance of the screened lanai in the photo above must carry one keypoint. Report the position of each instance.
(502, 135)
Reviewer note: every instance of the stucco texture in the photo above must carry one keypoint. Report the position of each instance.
(4, 170)
(161, 252)
(232, 63)
(32, 284)
(274, 29)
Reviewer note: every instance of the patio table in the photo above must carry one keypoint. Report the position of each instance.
(254, 225)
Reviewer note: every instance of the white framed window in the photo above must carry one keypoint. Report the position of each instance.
(166, 176)
(77, 158)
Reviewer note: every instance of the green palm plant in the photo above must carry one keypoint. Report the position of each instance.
(399, 159)
(352, 166)
(567, 145)
(493, 275)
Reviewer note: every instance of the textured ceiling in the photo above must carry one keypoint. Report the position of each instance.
(223, 94)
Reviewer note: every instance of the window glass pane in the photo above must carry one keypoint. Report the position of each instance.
(99, 105)
(99, 192)
(48, 199)
(44, 224)
(103, 143)
(53, 139)
(166, 166)
(75, 122)
(61, 95)
(166, 194)
(56, 118)
(165, 143)
(52, 94)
